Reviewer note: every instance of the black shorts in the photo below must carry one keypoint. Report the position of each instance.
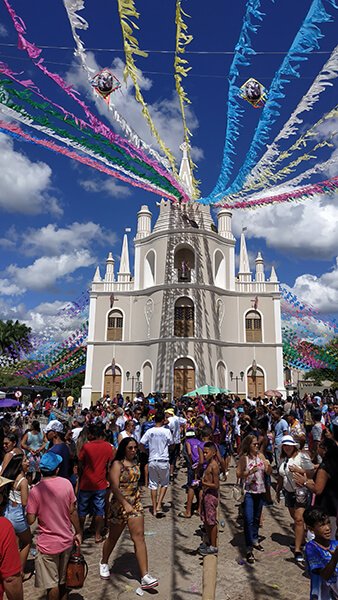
(174, 453)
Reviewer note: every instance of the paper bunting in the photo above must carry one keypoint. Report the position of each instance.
(181, 70)
(127, 11)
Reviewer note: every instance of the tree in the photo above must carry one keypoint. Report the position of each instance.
(14, 339)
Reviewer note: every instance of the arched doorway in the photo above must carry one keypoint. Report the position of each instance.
(147, 378)
(112, 382)
(256, 386)
(184, 376)
(221, 375)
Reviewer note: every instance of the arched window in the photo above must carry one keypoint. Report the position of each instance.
(219, 269)
(115, 326)
(184, 262)
(184, 317)
(149, 269)
(253, 326)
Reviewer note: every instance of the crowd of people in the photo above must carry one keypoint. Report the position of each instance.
(75, 471)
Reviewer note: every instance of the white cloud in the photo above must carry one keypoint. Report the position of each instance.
(45, 271)
(308, 229)
(8, 288)
(25, 185)
(52, 240)
(108, 186)
(165, 112)
(321, 292)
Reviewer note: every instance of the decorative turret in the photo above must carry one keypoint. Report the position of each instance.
(244, 273)
(273, 275)
(97, 276)
(124, 271)
(143, 222)
(224, 218)
(260, 275)
(110, 263)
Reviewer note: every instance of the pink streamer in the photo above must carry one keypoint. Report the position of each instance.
(297, 194)
(34, 52)
(84, 160)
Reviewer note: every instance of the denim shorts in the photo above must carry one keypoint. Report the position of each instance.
(16, 515)
(92, 503)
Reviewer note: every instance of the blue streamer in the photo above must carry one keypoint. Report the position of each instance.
(243, 53)
(306, 40)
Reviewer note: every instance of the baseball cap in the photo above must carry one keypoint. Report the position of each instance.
(170, 411)
(54, 425)
(50, 461)
(240, 409)
(288, 440)
(190, 433)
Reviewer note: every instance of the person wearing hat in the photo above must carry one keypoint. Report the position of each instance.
(297, 498)
(10, 563)
(52, 503)
(174, 424)
(56, 438)
(296, 428)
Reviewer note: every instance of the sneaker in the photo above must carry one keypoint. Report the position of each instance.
(148, 582)
(104, 571)
(250, 558)
(203, 546)
(299, 558)
(208, 550)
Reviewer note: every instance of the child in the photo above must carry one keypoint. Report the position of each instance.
(209, 503)
(322, 556)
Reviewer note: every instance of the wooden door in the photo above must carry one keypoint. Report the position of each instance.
(256, 385)
(184, 381)
(112, 384)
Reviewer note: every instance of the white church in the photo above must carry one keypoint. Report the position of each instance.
(183, 318)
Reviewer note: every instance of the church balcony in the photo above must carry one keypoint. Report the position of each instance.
(184, 275)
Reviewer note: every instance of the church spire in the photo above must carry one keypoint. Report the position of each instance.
(185, 171)
(124, 271)
(244, 272)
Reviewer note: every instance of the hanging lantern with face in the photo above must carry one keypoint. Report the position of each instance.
(105, 83)
(253, 92)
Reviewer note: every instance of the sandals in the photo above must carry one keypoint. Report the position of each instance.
(182, 515)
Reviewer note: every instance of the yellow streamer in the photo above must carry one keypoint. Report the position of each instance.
(181, 70)
(127, 12)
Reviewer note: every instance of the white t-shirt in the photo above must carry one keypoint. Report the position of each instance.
(158, 439)
(301, 460)
(175, 428)
(75, 433)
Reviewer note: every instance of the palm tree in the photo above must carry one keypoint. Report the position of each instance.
(14, 339)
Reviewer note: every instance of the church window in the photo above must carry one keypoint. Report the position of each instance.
(253, 326)
(184, 318)
(115, 326)
(184, 263)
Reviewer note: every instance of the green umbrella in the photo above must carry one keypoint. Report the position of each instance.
(205, 390)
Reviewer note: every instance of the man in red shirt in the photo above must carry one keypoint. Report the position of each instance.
(10, 564)
(94, 458)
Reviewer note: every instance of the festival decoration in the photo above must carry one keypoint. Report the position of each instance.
(323, 187)
(253, 92)
(127, 10)
(77, 22)
(306, 40)
(181, 70)
(105, 83)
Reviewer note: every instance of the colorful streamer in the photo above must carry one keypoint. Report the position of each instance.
(323, 187)
(127, 11)
(242, 58)
(99, 127)
(77, 22)
(181, 70)
(306, 40)
(319, 85)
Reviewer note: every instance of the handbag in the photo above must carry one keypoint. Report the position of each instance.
(77, 570)
(238, 493)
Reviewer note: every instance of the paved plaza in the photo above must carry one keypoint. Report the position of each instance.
(172, 545)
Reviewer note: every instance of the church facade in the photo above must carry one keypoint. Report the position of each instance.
(184, 318)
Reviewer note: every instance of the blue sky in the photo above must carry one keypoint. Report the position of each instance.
(58, 220)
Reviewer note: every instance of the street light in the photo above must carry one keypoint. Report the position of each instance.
(237, 379)
(133, 378)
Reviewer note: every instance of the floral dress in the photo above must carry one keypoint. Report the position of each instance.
(129, 478)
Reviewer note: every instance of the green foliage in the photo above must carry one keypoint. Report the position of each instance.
(14, 339)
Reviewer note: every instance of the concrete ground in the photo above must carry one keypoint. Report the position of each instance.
(172, 546)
